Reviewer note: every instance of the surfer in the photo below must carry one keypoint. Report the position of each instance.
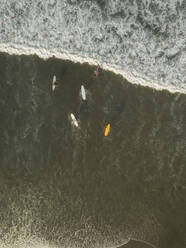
(54, 83)
(107, 130)
(74, 121)
(83, 93)
(84, 104)
(98, 70)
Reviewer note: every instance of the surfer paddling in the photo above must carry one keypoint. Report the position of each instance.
(84, 104)
(107, 129)
(73, 119)
(54, 83)
(83, 93)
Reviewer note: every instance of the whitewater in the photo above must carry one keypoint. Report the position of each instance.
(144, 41)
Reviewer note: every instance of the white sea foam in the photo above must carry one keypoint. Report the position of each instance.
(132, 77)
(142, 40)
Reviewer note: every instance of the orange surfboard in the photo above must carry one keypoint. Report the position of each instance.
(107, 129)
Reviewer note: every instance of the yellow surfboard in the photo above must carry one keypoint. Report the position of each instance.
(107, 129)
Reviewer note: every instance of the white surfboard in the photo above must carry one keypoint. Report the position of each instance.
(83, 92)
(74, 121)
(53, 83)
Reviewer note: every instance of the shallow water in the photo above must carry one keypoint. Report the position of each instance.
(72, 187)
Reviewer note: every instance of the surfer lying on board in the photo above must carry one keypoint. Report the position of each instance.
(83, 93)
(84, 105)
(74, 120)
(54, 83)
(107, 129)
(115, 118)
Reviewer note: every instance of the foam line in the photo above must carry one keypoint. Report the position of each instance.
(131, 76)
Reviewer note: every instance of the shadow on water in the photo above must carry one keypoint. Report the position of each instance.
(73, 186)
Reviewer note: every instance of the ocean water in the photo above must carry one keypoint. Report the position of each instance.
(143, 40)
(63, 186)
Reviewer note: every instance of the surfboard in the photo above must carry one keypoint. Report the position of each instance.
(83, 92)
(53, 83)
(107, 130)
(74, 121)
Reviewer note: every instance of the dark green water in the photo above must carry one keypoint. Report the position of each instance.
(68, 187)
